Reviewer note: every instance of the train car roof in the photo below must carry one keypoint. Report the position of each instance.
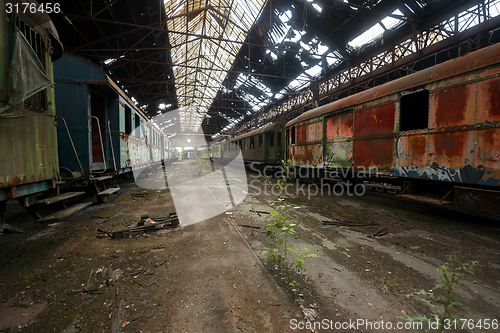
(473, 61)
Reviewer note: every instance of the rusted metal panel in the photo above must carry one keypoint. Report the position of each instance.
(412, 150)
(448, 149)
(488, 100)
(453, 107)
(375, 121)
(374, 152)
(301, 133)
(488, 148)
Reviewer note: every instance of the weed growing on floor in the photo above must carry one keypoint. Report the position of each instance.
(279, 230)
(452, 274)
(202, 164)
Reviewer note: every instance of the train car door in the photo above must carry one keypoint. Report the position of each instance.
(97, 109)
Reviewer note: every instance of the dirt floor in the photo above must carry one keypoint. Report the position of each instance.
(211, 276)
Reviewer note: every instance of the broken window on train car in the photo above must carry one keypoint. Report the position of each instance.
(260, 140)
(293, 135)
(271, 139)
(414, 111)
(278, 139)
(252, 143)
(128, 120)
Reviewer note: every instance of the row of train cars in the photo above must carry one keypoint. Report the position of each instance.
(64, 122)
(435, 132)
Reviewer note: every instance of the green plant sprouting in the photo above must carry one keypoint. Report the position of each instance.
(280, 228)
(202, 164)
(452, 274)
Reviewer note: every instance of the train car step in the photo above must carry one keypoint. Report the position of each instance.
(57, 198)
(65, 212)
(108, 191)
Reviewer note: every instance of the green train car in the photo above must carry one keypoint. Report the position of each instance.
(263, 146)
(28, 131)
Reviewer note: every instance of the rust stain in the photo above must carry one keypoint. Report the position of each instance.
(488, 147)
(488, 101)
(449, 149)
(375, 152)
(374, 121)
(451, 106)
(418, 145)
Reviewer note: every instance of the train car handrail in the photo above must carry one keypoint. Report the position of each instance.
(71, 141)
(102, 146)
(111, 143)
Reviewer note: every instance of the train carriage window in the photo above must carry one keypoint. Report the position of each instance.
(128, 120)
(293, 135)
(37, 101)
(278, 139)
(271, 139)
(252, 143)
(414, 111)
(260, 140)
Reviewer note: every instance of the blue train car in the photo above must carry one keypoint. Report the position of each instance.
(102, 132)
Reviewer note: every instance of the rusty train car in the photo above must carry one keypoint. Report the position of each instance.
(28, 137)
(439, 125)
(436, 130)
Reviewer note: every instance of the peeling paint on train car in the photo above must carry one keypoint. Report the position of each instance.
(315, 131)
(307, 155)
(339, 146)
(412, 150)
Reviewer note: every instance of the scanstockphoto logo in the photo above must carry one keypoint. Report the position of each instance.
(200, 190)
(328, 181)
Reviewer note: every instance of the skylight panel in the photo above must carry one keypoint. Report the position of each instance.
(390, 22)
(314, 71)
(367, 36)
(376, 30)
(317, 7)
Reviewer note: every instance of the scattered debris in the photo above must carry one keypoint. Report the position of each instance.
(8, 229)
(169, 221)
(248, 226)
(258, 212)
(115, 318)
(395, 216)
(380, 233)
(309, 314)
(342, 223)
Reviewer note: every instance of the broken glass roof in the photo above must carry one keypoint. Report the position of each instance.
(205, 37)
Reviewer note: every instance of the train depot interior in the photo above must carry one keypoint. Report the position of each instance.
(249, 166)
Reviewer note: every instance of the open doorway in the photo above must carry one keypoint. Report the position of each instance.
(97, 107)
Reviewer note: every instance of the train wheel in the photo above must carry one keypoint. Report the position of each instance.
(101, 198)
